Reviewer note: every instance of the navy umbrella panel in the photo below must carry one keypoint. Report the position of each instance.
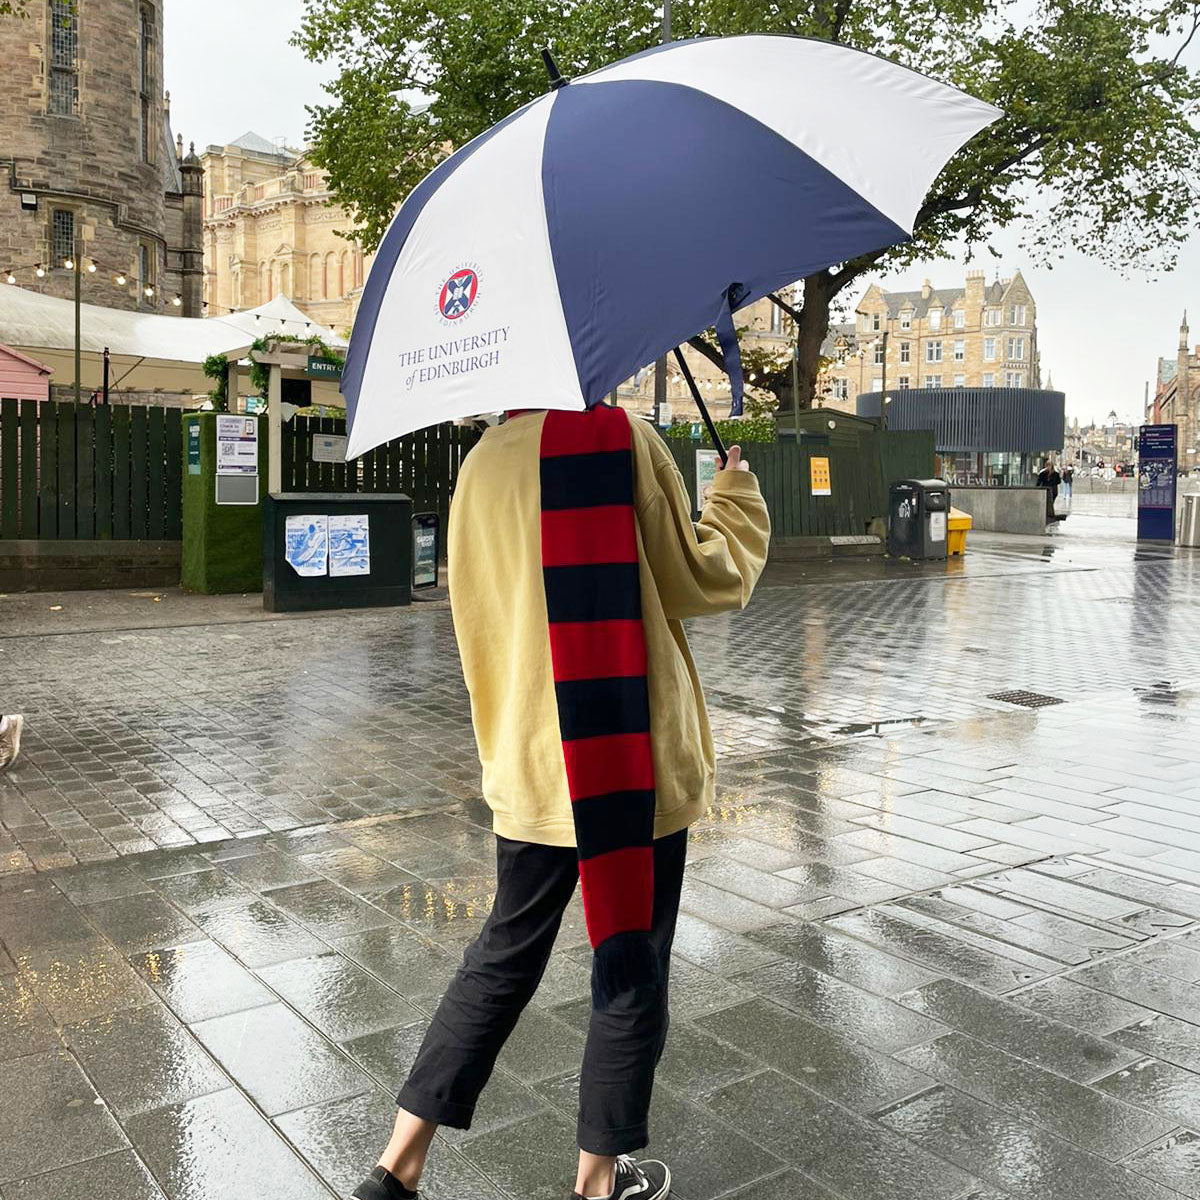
(613, 218)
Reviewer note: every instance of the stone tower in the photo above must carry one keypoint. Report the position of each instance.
(87, 150)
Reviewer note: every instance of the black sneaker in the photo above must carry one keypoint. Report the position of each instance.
(649, 1180)
(381, 1184)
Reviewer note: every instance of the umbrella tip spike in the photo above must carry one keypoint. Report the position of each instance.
(556, 79)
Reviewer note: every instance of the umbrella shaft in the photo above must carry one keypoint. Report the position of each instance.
(708, 421)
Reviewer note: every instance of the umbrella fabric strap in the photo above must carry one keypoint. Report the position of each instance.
(727, 337)
(598, 652)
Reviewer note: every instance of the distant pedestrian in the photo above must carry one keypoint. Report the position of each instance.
(573, 562)
(1049, 478)
(1068, 477)
(10, 738)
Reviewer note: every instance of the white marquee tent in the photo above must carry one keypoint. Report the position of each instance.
(147, 351)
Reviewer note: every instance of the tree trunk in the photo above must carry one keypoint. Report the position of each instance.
(811, 332)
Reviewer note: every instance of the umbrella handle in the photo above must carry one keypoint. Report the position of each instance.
(708, 421)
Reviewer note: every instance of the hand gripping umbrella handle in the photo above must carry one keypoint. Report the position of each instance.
(708, 421)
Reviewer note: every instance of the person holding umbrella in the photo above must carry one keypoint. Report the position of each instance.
(573, 561)
(516, 270)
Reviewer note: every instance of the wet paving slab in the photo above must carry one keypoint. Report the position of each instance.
(951, 956)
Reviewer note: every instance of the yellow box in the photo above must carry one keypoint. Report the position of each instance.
(956, 531)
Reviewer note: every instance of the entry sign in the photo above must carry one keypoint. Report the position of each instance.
(323, 368)
(818, 469)
(1157, 460)
(425, 550)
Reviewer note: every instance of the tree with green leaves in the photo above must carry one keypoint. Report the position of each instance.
(1097, 150)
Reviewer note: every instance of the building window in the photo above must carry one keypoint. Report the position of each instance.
(841, 389)
(877, 384)
(1016, 349)
(146, 82)
(935, 318)
(989, 379)
(1015, 379)
(906, 319)
(145, 272)
(960, 381)
(993, 316)
(62, 236)
(879, 354)
(906, 352)
(1016, 314)
(64, 58)
(933, 381)
(933, 352)
(903, 381)
(960, 318)
(960, 351)
(989, 349)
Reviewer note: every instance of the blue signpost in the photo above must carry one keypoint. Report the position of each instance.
(1156, 483)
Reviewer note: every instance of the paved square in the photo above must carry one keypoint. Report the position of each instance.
(934, 946)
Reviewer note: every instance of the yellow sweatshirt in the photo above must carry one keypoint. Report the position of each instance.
(499, 606)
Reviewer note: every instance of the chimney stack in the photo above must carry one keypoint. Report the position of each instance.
(926, 288)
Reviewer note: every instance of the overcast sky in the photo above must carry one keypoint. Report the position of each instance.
(229, 69)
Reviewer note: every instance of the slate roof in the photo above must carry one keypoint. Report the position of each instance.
(993, 293)
(259, 145)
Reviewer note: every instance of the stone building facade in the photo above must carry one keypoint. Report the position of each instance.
(1177, 397)
(978, 335)
(86, 145)
(270, 229)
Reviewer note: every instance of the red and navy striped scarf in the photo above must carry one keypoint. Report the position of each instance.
(598, 651)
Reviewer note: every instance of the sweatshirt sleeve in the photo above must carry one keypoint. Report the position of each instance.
(710, 566)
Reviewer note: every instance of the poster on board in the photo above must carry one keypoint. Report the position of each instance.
(820, 479)
(708, 462)
(349, 544)
(237, 445)
(306, 543)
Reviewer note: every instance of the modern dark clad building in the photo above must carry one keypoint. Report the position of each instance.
(994, 436)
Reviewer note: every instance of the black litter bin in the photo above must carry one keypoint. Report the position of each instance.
(917, 513)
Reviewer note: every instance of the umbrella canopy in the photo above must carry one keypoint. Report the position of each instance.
(608, 221)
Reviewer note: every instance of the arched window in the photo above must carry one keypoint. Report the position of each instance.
(330, 275)
(315, 277)
(285, 279)
(342, 264)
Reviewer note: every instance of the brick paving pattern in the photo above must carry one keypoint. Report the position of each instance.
(934, 946)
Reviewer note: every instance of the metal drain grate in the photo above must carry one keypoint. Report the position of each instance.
(1025, 699)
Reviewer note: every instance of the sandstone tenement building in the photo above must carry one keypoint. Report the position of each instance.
(1176, 398)
(270, 230)
(979, 335)
(86, 145)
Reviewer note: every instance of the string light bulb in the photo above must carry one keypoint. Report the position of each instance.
(91, 268)
(40, 272)
(177, 301)
(11, 277)
(69, 263)
(148, 290)
(120, 280)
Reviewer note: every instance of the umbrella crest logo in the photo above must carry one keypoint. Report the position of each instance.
(458, 294)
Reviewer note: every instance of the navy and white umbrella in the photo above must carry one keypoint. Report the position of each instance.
(608, 221)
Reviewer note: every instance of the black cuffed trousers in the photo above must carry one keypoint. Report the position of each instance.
(500, 973)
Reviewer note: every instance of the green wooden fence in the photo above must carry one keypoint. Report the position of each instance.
(862, 462)
(110, 472)
(423, 465)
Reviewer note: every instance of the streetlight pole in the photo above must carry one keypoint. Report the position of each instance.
(883, 387)
(78, 294)
(660, 367)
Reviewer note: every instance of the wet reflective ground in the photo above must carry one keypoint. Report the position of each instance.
(935, 945)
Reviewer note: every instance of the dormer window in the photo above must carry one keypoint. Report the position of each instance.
(906, 319)
(935, 318)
